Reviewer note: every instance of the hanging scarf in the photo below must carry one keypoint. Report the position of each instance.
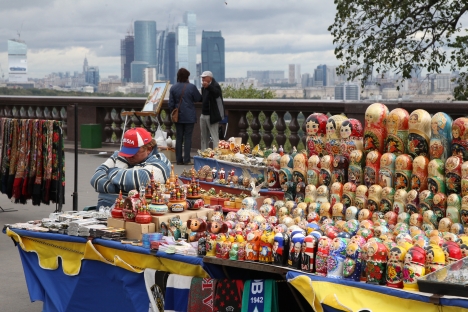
(27, 164)
(33, 161)
(201, 294)
(21, 164)
(2, 135)
(260, 296)
(228, 295)
(47, 162)
(5, 169)
(13, 157)
(37, 190)
(177, 292)
(57, 187)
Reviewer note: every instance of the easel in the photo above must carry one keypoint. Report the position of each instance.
(138, 115)
(7, 210)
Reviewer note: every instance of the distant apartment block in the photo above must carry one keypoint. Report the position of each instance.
(266, 76)
(347, 91)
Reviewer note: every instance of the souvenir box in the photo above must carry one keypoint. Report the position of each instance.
(451, 280)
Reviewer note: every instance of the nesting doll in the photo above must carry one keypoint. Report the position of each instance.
(397, 131)
(416, 220)
(280, 248)
(453, 207)
(430, 222)
(386, 201)
(436, 176)
(351, 136)
(374, 130)
(440, 146)
(439, 205)
(412, 202)
(313, 170)
(413, 267)
(399, 201)
(333, 136)
(285, 172)
(464, 212)
(403, 171)
(316, 130)
(396, 257)
(444, 225)
(300, 192)
(391, 217)
(325, 210)
(337, 212)
(336, 258)
(351, 213)
(435, 258)
(310, 194)
(309, 247)
(425, 201)
(459, 138)
(374, 197)
(273, 170)
(299, 168)
(326, 163)
(323, 194)
(252, 246)
(452, 252)
(372, 168)
(419, 133)
(355, 169)
(464, 179)
(336, 192)
(352, 262)
(339, 169)
(295, 248)
(453, 175)
(376, 263)
(323, 251)
(361, 197)
(349, 194)
(387, 170)
(419, 174)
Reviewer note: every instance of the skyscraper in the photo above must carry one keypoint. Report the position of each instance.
(127, 56)
(190, 20)
(292, 74)
(298, 73)
(144, 48)
(170, 57)
(182, 47)
(17, 61)
(213, 54)
(161, 40)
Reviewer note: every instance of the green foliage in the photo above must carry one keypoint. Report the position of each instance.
(50, 92)
(398, 35)
(230, 92)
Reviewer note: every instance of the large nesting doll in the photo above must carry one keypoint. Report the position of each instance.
(372, 168)
(419, 133)
(396, 257)
(351, 136)
(375, 131)
(419, 175)
(352, 264)
(413, 267)
(397, 131)
(453, 175)
(355, 169)
(326, 163)
(403, 171)
(340, 169)
(376, 263)
(349, 194)
(336, 258)
(440, 146)
(273, 170)
(460, 138)
(436, 176)
(333, 137)
(309, 246)
(313, 170)
(386, 202)
(387, 169)
(285, 173)
(300, 168)
(316, 130)
(373, 200)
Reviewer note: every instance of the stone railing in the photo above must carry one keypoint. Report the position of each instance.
(280, 122)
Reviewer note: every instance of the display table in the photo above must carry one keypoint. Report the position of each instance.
(239, 169)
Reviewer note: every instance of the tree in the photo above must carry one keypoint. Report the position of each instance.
(246, 93)
(399, 35)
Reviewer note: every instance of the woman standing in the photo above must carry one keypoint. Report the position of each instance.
(183, 95)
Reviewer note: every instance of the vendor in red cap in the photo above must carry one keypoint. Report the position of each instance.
(130, 168)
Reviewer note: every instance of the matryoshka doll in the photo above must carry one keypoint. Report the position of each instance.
(339, 169)
(313, 170)
(403, 171)
(336, 258)
(336, 192)
(425, 201)
(414, 267)
(316, 129)
(464, 179)
(337, 212)
(300, 192)
(280, 248)
(273, 170)
(325, 210)
(351, 136)
(374, 197)
(419, 133)
(375, 132)
(440, 145)
(285, 173)
(386, 201)
(453, 207)
(391, 217)
(397, 131)
(351, 213)
(333, 136)
(452, 252)
(310, 194)
(439, 205)
(420, 172)
(323, 251)
(399, 201)
(394, 275)
(430, 222)
(444, 225)
(361, 197)
(295, 253)
(453, 175)
(376, 263)
(459, 138)
(352, 263)
(309, 247)
(323, 194)
(349, 194)
(355, 169)
(299, 168)
(387, 170)
(464, 213)
(435, 258)
(412, 202)
(371, 171)
(326, 163)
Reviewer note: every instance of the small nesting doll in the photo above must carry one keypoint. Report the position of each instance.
(295, 256)
(309, 247)
(374, 130)
(355, 169)
(454, 207)
(399, 201)
(323, 251)
(372, 168)
(376, 263)
(436, 176)
(386, 201)
(452, 252)
(351, 136)
(351, 213)
(430, 222)
(459, 138)
(439, 205)
(333, 136)
(412, 202)
(285, 173)
(440, 145)
(435, 258)
(280, 248)
(419, 133)
(414, 267)
(339, 169)
(464, 179)
(444, 225)
(391, 217)
(336, 192)
(323, 194)
(419, 174)
(387, 169)
(373, 200)
(316, 130)
(397, 131)
(273, 170)
(361, 197)
(326, 163)
(299, 167)
(416, 220)
(403, 171)
(337, 255)
(425, 201)
(396, 257)
(337, 212)
(349, 194)
(313, 170)
(453, 175)
(352, 263)
(300, 192)
(310, 194)
(464, 212)
(325, 210)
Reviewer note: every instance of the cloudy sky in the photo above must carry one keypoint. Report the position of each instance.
(259, 35)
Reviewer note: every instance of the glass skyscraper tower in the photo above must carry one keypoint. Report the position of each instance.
(17, 61)
(144, 48)
(213, 54)
(190, 20)
(182, 58)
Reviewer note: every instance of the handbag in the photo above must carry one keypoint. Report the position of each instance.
(175, 112)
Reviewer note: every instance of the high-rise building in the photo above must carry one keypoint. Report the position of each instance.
(292, 74)
(305, 80)
(320, 76)
(127, 56)
(298, 73)
(161, 40)
(213, 54)
(17, 61)
(347, 91)
(182, 47)
(92, 75)
(144, 48)
(170, 57)
(190, 20)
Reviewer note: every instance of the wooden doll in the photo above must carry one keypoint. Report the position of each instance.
(300, 192)
(440, 146)
(309, 247)
(280, 248)
(325, 210)
(352, 263)
(323, 194)
(299, 167)
(453, 175)
(425, 201)
(387, 170)
(310, 194)
(325, 177)
(373, 200)
(394, 275)
(386, 201)
(339, 169)
(351, 213)
(323, 251)
(372, 168)
(439, 205)
(412, 202)
(355, 169)
(436, 176)
(333, 136)
(337, 212)
(336, 192)
(285, 172)
(452, 252)
(376, 263)
(435, 258)
(313, 170)
(399, 201)
(316, 130)
(416, 220)
(454, 207)
(252, 246)
(397, 131)
(361, 197)
(464, 179)
(430, 222)
(351, 136)
(419, 174)
(349, 194)
(336, 258)
(273, 168)
(459, 138)
(413, 267)
(375, 132)
(403, 171)
(419, 133)
(266, 244)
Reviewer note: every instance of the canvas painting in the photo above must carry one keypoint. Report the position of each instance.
(156, 97)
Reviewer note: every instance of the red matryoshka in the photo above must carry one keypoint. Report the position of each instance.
(371, 171)
(323, 251)
(419, 133)
(351, 136)
(316, 130)
(420, 173)
(459, 138)
(333, 136)
(394, 275)
(397, 131)
(374, 130)
(452, 252)
(376, 263)
(414, 267)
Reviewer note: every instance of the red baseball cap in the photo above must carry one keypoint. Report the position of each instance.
(132, 141)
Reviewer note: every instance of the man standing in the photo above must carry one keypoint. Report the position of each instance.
(212, 110)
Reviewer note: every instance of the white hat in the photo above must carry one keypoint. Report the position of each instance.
(207, 74)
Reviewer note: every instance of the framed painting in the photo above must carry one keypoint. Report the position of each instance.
(156, 97)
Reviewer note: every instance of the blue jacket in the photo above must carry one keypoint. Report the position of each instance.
(187, 113)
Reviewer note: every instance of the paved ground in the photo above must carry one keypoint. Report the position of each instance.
(14, 295)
